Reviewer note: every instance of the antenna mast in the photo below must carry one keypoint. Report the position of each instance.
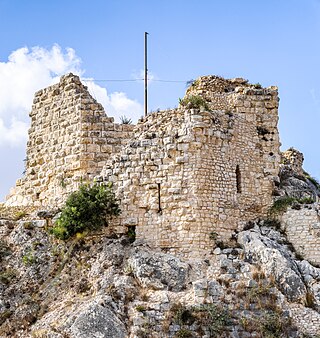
(145, 74)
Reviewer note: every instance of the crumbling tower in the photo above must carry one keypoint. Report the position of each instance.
(70, 139)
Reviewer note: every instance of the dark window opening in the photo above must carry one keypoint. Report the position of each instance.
(238, 177)
(159, 199)
(132, 233)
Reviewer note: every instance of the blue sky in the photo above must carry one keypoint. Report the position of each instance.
(271, 42)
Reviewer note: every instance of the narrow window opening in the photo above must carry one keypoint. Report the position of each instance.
(132, 233)
(159, 199)
(238, 177)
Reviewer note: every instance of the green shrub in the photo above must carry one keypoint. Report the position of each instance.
(86, 209)
(306, 200)
(216, 317)
(313, 180)
(282, 204)
(274, 324)
(194, 101)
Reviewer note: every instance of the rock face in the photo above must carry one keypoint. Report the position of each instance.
(294, 181)
(97, 321)
(276, 261)
(159, 271)
(100, 287)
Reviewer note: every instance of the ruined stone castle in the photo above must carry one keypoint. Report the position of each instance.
(180, 174)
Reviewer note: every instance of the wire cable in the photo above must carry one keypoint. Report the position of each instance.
(134, 80)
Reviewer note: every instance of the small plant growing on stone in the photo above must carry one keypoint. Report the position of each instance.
(273, 324)
(215, 317)
(29, 258)
(313, 180)
(282, 204)
(140, 308)
(125, 120)
(85, 210)
(19, 215)
(306, 200)
(63, 182)
(194, 101)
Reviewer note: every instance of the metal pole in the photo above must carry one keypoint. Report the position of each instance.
(145, 74)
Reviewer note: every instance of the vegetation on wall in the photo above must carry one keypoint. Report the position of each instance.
(125, 120)
(86, 209)
(313, 180)
(283, 203)
(194, 102)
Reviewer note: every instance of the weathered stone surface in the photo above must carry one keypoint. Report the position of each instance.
(97, 321)
(275, 261)
(159, 271)
(100, 287)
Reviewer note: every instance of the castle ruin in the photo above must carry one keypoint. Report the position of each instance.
(182, 176)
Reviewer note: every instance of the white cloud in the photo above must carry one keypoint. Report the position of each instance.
(116, 104)
(15, 134)
(28, 70)
(139, 75)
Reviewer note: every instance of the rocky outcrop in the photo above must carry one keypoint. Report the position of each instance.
(293, 180)
(275, 260)
(100, 287)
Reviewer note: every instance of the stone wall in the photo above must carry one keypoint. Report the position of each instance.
(303, 231)
(191, 175)
(70, 139)
(183, 176)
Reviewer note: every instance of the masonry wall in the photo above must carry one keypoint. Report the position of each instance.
(182, 176)
(70, 139)
(191, 173)
(303, 231)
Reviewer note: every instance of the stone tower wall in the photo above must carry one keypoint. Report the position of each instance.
(70, 139)
(191, 173)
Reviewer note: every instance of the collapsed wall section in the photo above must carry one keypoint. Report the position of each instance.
(70, 139)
